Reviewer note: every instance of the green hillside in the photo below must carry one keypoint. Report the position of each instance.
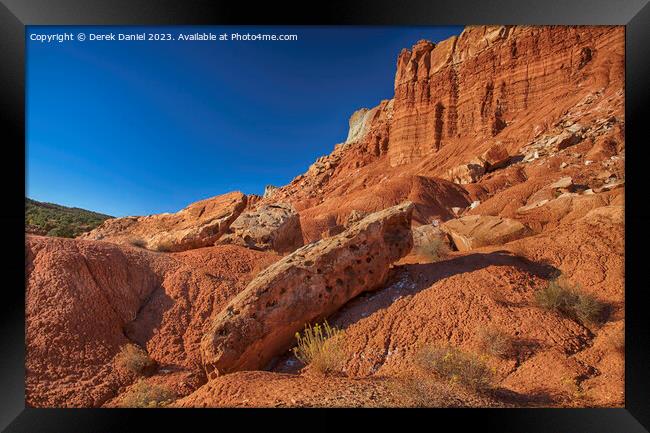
(56, 220)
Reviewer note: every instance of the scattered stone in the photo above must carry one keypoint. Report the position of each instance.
(426, 236)
(532, 206)
(567, 139)
(467, 173)
(475, 231)
(531, 156)
(564, 182)
(610, 186)
(496, 157)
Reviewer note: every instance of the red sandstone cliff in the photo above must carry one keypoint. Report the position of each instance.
(461, 108)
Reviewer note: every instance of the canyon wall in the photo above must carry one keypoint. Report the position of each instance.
(474, 85)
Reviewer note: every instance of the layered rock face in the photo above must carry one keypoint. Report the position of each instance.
(305, 286)
(474, 85)
(465, 108)
(198, 225)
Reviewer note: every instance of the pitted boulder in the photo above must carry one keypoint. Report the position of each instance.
(305, 286)
(270, 227)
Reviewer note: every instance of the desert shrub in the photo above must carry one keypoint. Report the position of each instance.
(136, 242)
(567, 299)
(418, 390)
(574, 390)
(433, 250)
(320, 347)
(164, 246)
(456, 366)
(146, 395)
(495, 342)
(134, 359)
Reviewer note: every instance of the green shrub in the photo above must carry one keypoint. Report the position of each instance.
(134, 359)
(320, 347)
(56, 220)
(455, 366)
(495, 342)
(566, 299)
(145, 395)
(62, 232)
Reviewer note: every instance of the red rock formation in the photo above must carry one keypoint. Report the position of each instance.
(198, 225)
(466, 107)
(506, 115)
(87, 299)
(477, 85)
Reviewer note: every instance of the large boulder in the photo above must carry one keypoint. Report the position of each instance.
(305, 286)
(474, 231)
(270, 227)
(198, 225)
(467, 173)
(430, 241)
(496, 157)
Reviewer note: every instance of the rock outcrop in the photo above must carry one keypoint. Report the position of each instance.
(474, 231)
(79, 296)
(472, 86)
(433, 198)
(305, 286)
(87, 299)
(198, 225)
(269, 227)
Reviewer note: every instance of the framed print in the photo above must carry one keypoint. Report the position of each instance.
(378, 212)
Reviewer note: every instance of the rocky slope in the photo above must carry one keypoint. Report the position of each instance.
(508, 142)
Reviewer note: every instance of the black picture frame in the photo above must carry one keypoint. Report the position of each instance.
(16, 14)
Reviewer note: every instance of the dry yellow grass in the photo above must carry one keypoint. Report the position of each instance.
(320, 347)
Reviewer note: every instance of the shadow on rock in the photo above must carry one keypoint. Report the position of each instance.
(402, 284)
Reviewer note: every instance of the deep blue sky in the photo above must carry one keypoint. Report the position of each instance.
(135, 128)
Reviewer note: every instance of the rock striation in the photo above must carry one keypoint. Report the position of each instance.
(474, 85)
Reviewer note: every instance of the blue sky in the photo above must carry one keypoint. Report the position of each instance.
(135, 128)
